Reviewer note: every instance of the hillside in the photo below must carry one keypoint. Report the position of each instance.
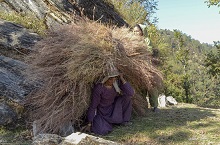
(184, 61)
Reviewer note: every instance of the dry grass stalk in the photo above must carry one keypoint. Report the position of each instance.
(139, 105)
(71, 59)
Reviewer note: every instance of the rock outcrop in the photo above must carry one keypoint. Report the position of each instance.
(56, 12)
(15, 42)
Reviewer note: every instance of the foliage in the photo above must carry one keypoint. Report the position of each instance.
(136, 11)
(213, 2)
(203, 90)
(151, 7)
(212, 60)
(133, 13)
(154, 35)
(182, 56)
(172, 82)
(28, 21)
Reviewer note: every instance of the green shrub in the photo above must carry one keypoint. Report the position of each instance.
(133, 13)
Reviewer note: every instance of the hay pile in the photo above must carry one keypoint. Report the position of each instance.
(71, 59)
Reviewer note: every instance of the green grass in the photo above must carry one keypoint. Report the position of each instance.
(28, 21)
(15, 135)
(185, 124)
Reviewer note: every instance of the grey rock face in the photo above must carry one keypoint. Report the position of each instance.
(5, 8)
(11, 79)
(63, 5)
(13, 84)
(63, 11)
(98, 10)
(38, 8)
(58, 10)
(16, 37)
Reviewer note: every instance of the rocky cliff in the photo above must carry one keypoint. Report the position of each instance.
(63, 11)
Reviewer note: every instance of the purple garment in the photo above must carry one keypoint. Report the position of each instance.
(108, 107)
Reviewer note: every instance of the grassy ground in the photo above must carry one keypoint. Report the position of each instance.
(15, 134)
(184, 124)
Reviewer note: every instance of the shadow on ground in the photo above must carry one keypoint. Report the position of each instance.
(173, 125)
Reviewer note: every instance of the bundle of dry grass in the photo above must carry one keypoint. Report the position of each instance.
(70, 60)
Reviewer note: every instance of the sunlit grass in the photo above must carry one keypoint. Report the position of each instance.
(28, 21)
(184, 124)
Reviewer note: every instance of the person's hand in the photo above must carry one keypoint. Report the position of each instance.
(86, 128)
(121, 76)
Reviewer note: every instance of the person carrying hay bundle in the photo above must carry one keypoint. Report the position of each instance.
(153, 99)
(70, 60)
(111, 103)
(139, 30)
(153, 93)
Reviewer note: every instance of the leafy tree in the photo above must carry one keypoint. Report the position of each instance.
(213, 2)
(132, 12)
(212, 60)
(204, 89)
(136, 11)
(151, 7)
(182, 56)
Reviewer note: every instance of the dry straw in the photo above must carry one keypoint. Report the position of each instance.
(71, 59)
